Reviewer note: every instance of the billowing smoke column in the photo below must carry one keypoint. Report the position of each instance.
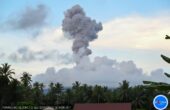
(81, 29)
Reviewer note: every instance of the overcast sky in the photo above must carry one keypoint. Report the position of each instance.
(32, 40)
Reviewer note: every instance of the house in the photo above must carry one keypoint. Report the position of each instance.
(103, 106)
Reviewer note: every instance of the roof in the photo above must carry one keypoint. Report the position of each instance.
(103, 106)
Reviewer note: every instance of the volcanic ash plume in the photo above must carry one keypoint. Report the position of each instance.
(81, 29)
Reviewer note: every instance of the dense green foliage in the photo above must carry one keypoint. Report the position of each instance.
(23, 92)
(160, 85)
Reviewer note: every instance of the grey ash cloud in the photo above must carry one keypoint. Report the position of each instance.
(102, 71)
(25, 54)
(29, 18)
(81, 29)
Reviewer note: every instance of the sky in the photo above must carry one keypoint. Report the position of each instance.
(131, 41)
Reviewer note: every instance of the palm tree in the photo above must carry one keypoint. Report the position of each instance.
(15, 92)
(98, 94)
(58, 90)
(26, 79)
(6, 71)
(76, 85)
(54, 93)
(76, 92)
(86, 93)
(38, 93)
(68, 97)
(5, 77)
(124, 91)
(26, 86)
(160, 85)
(139, 97)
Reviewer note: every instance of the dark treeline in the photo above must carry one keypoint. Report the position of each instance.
(18, 92)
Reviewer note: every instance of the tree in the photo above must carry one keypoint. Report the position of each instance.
(15, 92)
(124, 94)
(54, 93)
(76, 92)
(165, 58)
(51, 94)
(160, 85)
(38, 93)
(138, 96)
(26, 87)
(5, 76)
(98, 94)
(26, 79)
(58, 90)
(76, 85)
(86, 93)
(67, 96)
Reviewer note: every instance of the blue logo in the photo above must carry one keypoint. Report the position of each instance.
(160, 102)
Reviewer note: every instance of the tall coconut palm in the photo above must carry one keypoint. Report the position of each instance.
(58, 90)
(5, 76)
(98, 94)
(6, 71)
(15, 92)
(76, 91)
(26, 79)
(38, 93)
(139, 96)
(51, 94)
(124, 91)
(68, 96)
(26, 86)
(76, 85)
(86, 93)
